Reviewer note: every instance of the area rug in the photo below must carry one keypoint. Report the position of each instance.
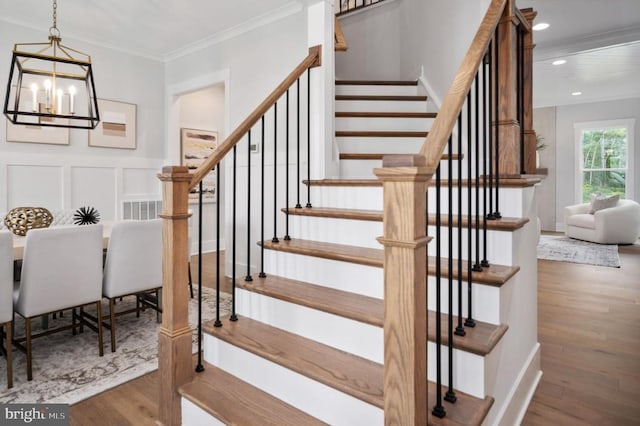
(67, 369)
(565, 249)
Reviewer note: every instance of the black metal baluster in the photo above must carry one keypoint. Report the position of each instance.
(287, 237)
(248, 277)
(450, 395)
(485, 126)
(496, 213)
(469, 321)
(262, 274)
(492, 128)
(199, 366)
(275, 174)
(476, 265)
(459, 328)
(233, 316)
(438, 409)
(298, 205)
(217, 323)
(308, 138)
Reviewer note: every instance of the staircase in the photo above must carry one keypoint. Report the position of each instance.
(350, 320)
(308, 345)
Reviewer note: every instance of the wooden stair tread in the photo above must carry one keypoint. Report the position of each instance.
(234, 401)
(365, 309)
(408, 98)
(340, 252)
(379, 156)
(511, 182)
(347, 373)
(467, 411)
(495, 275)
(384, 114)
(380, 133)
(377, 82)
(504, 224)
(340, 370)
(480, 340)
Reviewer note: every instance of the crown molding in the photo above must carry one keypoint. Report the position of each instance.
(250, 25)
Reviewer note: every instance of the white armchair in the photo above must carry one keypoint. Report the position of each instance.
(6, 297)
(615, 225)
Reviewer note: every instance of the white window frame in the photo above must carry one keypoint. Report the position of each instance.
(579, 128)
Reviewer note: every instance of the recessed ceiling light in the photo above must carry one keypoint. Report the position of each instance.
(576, 93)
(559, 62)
(541, 26)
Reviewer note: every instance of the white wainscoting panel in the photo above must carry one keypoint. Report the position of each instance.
(95, 187)
(35, 186)
(140, 182)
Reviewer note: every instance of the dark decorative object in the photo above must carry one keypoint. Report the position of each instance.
(86, 216)
(22, 219)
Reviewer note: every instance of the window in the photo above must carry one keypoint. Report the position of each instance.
(605, 155)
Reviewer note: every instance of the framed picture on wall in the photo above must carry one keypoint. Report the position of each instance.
(117, 127)
(195, 147)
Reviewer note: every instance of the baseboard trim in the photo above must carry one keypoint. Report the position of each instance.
(521, 393)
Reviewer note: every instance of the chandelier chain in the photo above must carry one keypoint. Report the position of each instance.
(55, 14)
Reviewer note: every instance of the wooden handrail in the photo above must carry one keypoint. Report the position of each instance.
(523, 22)
(312, 60)
(340, 40)
(436, 141)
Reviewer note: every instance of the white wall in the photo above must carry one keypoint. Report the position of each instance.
(68, 176)
(397, 40)
(251, 66)
(205, 110)
(564, 159)
(544, 122)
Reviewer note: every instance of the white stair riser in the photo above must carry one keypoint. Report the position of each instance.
(365, 168)
(348, 197)
(192, 415)
(511, 201)
(468, 370)
(488, 302)
(499, 245)
(318, 400)
(370, 144)
(363, 340)
(360, 279)
(361, 233)
(376, 89)
(381, 106)
(383, 123)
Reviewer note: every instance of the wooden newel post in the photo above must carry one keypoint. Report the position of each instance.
(405, 293)
(508, 125)
(529, 133)
(174, 340)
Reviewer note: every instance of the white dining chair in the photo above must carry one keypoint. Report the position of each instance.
(61, 269)
(133, 267)
(6, 298)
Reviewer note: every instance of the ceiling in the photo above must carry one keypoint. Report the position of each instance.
(158, 29)
(600, 40)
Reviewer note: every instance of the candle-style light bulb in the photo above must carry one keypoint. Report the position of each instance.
(72, 92)
(59, 95)
(47, 91)
(34, 97)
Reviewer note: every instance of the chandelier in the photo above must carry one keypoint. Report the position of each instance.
(51, 84)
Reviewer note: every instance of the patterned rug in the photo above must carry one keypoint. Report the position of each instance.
(67, 369)
(565, 249)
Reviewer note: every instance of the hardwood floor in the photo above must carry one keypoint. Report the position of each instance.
(590, 338)
(587, 327)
